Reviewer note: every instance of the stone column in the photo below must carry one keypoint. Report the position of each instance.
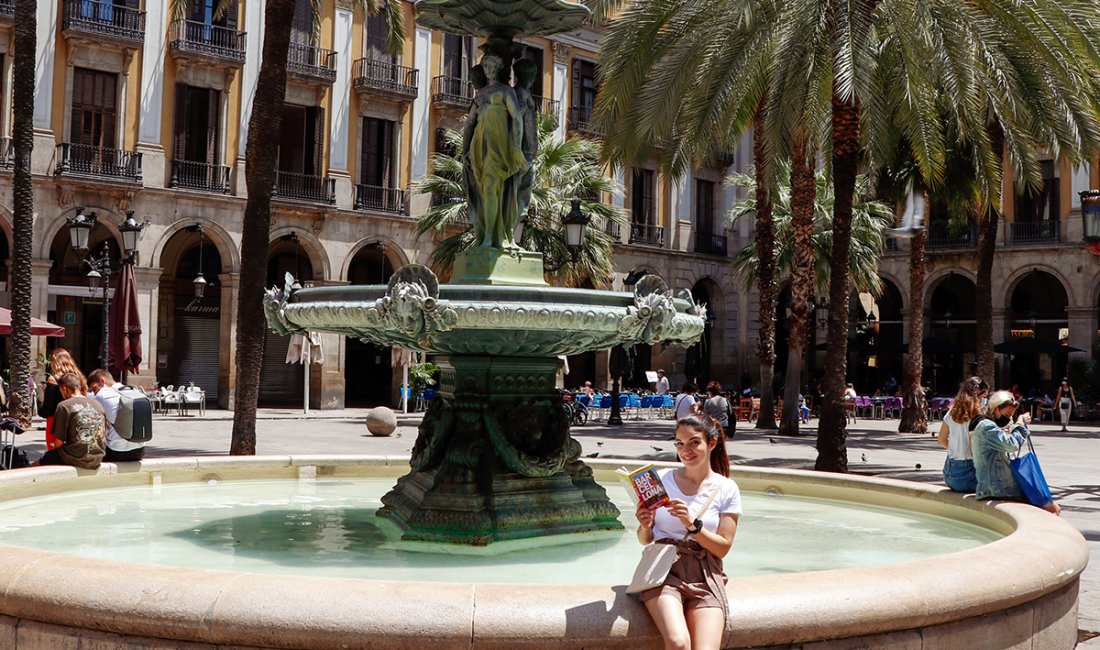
(681, 220)
(148, 292)
(46, 34)
(1082, 330)
(1000, 333)
(152, 94)
(420, 135)
(620, 201)
(341, 108)
(250, 74)
(227, 366)
(40, 300)
(327, 388)
(560, 91)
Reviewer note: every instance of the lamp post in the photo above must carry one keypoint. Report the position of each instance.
(574, 225)
(99, 265)
(1090, 215)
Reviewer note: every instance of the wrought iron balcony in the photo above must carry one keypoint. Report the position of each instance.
(374, 198)
(547, 105)
(647, 234)
(1031, 233)
(192, 39)
(580, 120)
(89, 160)
(708, 244)
(304, 187)
(200, 176)
(385, 79)
(311, 63)
(940, 237)
(102, 19)
(7, 10)
(7, 154)
(452, 92)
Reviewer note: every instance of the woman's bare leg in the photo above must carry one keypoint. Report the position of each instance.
(667, 612)
(706, 625)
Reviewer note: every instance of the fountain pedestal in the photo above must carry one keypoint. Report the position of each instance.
(511, 267)
(494, 459)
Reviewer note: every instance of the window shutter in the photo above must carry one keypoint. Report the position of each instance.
(179, 124)
(387, 154)
(575, 92)
(213, 105)
(231, 15)
(315, 115)
(367, 153)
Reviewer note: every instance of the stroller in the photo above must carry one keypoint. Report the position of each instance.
(11, 457)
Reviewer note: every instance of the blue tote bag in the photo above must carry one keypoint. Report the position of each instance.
(1029, 476)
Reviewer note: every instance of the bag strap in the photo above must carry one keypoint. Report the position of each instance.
(706, 504)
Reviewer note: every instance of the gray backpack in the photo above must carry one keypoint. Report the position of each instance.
(134, 421)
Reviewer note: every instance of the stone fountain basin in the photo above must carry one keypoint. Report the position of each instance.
(495, 320)
(1019, 591)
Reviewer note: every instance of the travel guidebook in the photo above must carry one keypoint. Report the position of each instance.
(644, 486)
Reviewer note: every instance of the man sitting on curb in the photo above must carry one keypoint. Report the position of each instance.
(80, 424)
(102, 384)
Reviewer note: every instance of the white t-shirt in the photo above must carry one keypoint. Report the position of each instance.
(109, 399)
(958, 439)
(684, 404)
(662, 386)
(728, 501)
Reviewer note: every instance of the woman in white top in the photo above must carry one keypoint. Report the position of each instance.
(958, 469)
(685, 401)
(690, 608)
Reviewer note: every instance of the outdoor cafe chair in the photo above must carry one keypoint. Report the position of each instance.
(192, 396)
(170, 399)
(744, 409)
(864, 406)
(666, 405)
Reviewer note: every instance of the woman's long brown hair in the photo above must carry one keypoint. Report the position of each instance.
(711, 430)
(62, 362)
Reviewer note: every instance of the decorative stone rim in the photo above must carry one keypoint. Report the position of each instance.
(506, 18)
(1040, 555)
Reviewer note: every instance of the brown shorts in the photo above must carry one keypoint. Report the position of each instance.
(696, 579)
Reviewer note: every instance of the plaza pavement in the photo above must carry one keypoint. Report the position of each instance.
(874, 448)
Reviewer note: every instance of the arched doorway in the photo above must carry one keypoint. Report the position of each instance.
(71, 304)
(190, 328)
(889, 334)
(1037, 309)
(282, 383)
(949, 348)
(368, 377)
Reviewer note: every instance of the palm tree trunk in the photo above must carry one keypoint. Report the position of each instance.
(765, 274)
(803, 191)
(261, 154)
(914, 415)
(19, 344)
(832, 454)
(983, 285)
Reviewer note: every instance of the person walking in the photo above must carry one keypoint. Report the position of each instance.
(662, 383)
(954, 436)
(1065, 400)
(690, 609)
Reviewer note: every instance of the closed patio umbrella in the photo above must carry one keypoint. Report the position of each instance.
(305, 349)
(39, 327)
(124, 329)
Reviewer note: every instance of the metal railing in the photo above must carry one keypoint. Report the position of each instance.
(392, 200)
(89, 160)
(310, 61)
(1026, 233)
(452, 91)
(7, 154)
(304, 187)
(708, 244)
(200, 176)
(580, 119)
(201, 38)
(547, 105)
(7, 9)
(941, 237)
(104, 18)
(647, 234)
(386, 77)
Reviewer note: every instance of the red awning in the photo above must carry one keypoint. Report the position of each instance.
(38, 327)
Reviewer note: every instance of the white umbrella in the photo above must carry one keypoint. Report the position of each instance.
(305, 349)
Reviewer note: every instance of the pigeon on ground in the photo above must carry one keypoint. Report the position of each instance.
(657, 449)
(911, 219)
(599, 443)
(863, 457)
(773, 441)
(592, 455)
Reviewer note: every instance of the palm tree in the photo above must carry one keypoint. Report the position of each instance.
(261, 155)
(563, 169)
(19, 344)
(676, 77)
(870, 218)
(766, 286)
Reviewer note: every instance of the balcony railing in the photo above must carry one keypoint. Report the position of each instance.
(311, 62)
(103, 18)
(7, 10)
(200, 176)
(7, 154)
(707, 244)
(193, 37)
(385, 77)
(391, 200)
(89, 160)
(304, 187)
(452, 92)
(1036, 232)
(647, 234)
(546, 105)
(942, 237)
(580, 120)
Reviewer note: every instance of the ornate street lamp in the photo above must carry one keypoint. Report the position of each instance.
(131, 234)
(199, 281)
(822, 312)
(574, 225)
(1090, 215)
(80, 227)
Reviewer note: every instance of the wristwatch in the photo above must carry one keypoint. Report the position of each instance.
(697, 526)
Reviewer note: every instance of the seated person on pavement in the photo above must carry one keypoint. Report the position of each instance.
(79, 423)
(102, 385)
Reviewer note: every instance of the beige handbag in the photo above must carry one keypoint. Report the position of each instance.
(657, 559)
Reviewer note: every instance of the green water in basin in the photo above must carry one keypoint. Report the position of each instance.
(327, 527)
